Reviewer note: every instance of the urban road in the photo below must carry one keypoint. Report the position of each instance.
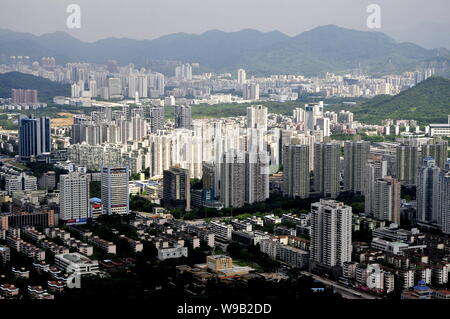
(346, 292)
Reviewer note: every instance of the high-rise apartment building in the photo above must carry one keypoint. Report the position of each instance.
(250, 91)
(114, 190)
(74, 198)
(384, 200)
(356, 155)
(232, 179)
(256, 177)
(327, 169)
(21, 96)
(438, 150)
(428, 192)
(257, 117)
(183, 116)
(331, 233)
(296, 173)
(406, 164)
(157, 118)
(444, 201)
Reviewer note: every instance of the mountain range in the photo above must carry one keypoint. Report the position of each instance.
(324, 49)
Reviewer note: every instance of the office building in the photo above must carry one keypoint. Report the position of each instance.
(114, 190)
(34, 137)
(177, 188)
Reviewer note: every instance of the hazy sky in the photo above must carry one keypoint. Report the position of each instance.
(148, 19)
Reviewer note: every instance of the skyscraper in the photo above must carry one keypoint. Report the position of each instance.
(327, 169)
(177, 188)
(34, 137)
(296, 180)
(114, 190)
(183, 116)
(406, 164)
(428, 192)
(74, 197)
(356, 155)
(331, 233)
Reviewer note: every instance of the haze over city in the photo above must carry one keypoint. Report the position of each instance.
(407, 20)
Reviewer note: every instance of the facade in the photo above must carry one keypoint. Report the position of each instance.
(114, 190)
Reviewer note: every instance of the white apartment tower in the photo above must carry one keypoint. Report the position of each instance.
(74, 197)
(331, 233)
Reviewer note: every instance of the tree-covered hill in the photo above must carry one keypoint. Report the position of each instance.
(427, 102)
(46, 89)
